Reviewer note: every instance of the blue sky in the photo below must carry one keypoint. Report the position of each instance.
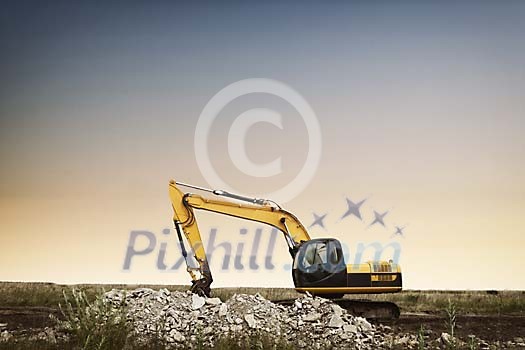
(420, 104)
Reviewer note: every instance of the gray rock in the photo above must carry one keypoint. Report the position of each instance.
(223, 310)
(338, 310)
(5, 336)
(385, 328)
(312, 317)
(213, 301)
(446, 338)
(250, 320)
(197, 301)
(236, 328)
(363, 324)
(336, 322)
(177, 336)
(402, 341)
(50, 335)
(346, 336)
(350, 328)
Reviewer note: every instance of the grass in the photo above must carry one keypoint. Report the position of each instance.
(468, 302)
(95, 324)
(50, 294)
(451, 320)
(421, 338)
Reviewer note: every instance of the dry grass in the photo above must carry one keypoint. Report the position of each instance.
(467, 302)
(433, 301)
(50, 294)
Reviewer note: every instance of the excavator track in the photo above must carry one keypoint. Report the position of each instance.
(377, 310)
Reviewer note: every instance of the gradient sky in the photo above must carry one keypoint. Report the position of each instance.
(421, 107)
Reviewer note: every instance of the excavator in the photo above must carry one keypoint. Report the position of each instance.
(318, 265)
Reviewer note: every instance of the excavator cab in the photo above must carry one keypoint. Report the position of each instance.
(319, 263)
(319, 268)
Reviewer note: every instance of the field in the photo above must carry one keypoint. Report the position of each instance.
(495, 316)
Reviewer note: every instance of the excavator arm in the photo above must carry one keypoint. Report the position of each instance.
(262, 211)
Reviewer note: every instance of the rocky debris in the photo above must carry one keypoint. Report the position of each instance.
(5, 336)
(223, 310)
(350, 329)
(312, 317)
(446, 338)
(406, 341)
(518, 341)
(182, 318)
(47, 334)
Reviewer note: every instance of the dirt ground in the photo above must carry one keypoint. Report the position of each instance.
(23, 318)
(490, 328)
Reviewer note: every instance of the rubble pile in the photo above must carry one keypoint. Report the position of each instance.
(183, 319)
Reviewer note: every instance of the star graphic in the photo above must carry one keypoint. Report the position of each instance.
(379, 218)
(399, 231)
(318, 220)
(353, 209)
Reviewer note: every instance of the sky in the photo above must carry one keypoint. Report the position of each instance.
(420, 109)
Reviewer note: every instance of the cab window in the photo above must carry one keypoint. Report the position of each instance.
(315, 254)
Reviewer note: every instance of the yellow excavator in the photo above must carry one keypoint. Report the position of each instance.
(318, 264)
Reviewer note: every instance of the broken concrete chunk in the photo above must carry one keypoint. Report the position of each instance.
(336, 322)
(312, 317)
(223, 310)
(197, 301)
(250, 320)
(213, 301)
